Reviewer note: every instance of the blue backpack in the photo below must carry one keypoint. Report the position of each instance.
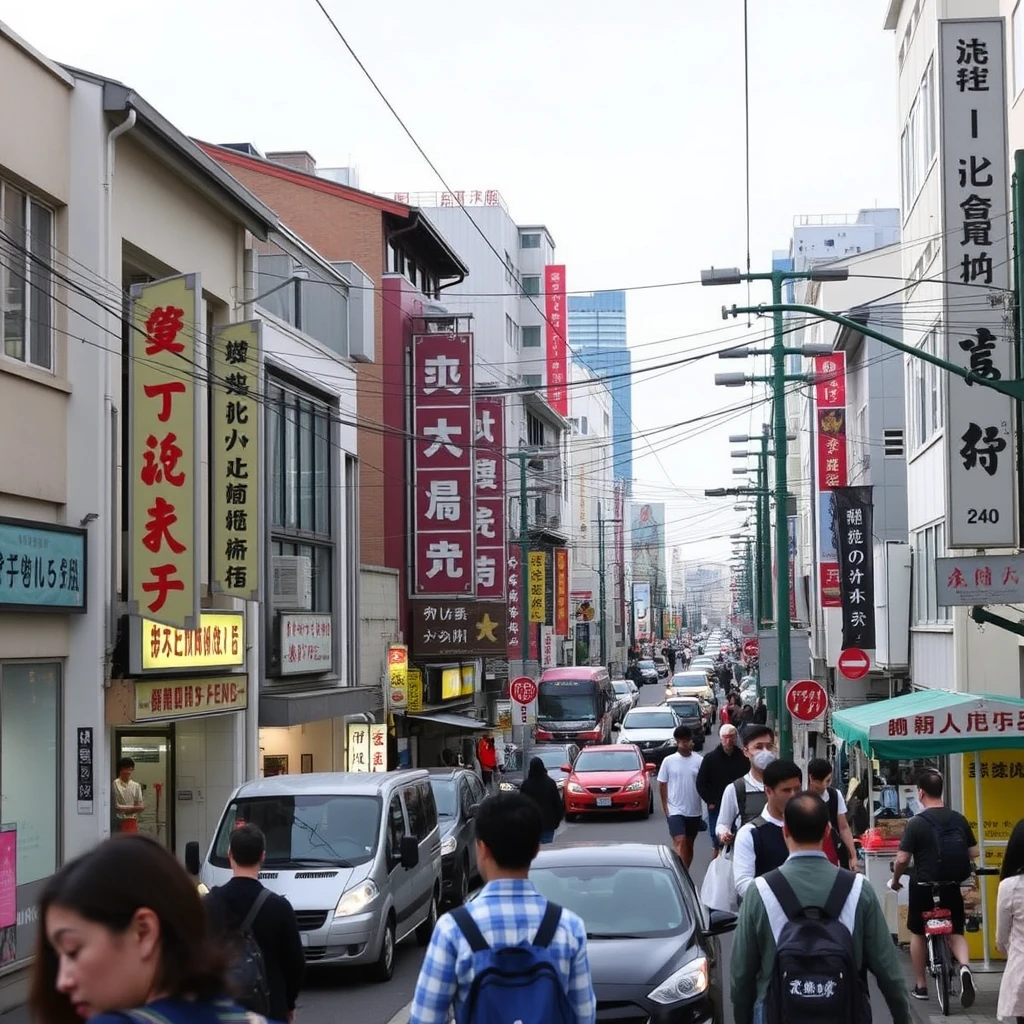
(514, 984)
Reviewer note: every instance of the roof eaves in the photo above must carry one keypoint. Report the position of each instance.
(33, 54)
(458, 267)
(892, 15)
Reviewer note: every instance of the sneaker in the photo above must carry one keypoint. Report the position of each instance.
(966, 987)
(919, 991)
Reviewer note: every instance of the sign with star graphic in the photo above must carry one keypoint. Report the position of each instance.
(458, 628)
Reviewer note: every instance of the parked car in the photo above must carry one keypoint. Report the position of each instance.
(689, 712)
(651, 730)
(653, 948)
(609, 778)
(626, 697)
(661, 665)
(554, 755)
(457, 792)
(648, 671)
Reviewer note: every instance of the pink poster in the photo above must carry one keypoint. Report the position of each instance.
(8, 878)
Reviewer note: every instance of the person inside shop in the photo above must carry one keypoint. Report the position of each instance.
(128, 803)
(838, 846)
(488, 758)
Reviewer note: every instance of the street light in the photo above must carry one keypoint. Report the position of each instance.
(743, 352)
(731, 380)
(739, 455)
(741, 471)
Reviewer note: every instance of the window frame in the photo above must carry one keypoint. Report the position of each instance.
(524, 290)
(532, 328)
(928, 544)
(1017, 48)
(531, 235)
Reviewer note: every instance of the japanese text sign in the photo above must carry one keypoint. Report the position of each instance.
(979, 579)
(830, 381)
(831, 449)
(516, 595)
(398, 675)
(458, 628)
(489, 497)
(163, 520)
(366, 749)
(415, 691)
(443, 464)
(806, 700)
(42, 567)
(538, 566)
(556, 313)
(235, 440)
(562, 592)
(987, 721)
(855, 544)
(306, 643)
(981, 467)
(217, 642)
(155, 701)
(86, 781)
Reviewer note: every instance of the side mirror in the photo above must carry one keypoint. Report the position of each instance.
(192, 858)
(721, 922)
(650, 767)
(566, 767)
(473, 808)
(409, 852)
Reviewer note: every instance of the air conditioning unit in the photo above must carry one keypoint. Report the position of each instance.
(293, 582)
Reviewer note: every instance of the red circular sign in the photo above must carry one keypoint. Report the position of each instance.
(523, 690)
(750, 648)
(853, 663)
(806, 700)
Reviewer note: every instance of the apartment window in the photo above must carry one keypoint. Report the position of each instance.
(529, 241)
(26, 252)
(510, 270)
(531, 285)
(531, 337)
(1018, 50)
(534, 430)
(511, 333)
(925, 390)
(917, 142)
(532, 380)
(928, 544)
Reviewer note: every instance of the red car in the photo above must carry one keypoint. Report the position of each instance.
(609, 778)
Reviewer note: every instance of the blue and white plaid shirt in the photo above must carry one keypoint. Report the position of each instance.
(507, 912)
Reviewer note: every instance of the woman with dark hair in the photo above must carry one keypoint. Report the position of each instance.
(124, 935)
(543, 791)
(1010, 927)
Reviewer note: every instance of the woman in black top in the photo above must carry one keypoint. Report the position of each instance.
(543, 791)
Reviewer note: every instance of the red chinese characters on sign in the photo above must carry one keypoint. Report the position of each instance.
(443, 465)
(489, 497)
(830, 381)
(960, 721)
(555, 311)
(562, 592)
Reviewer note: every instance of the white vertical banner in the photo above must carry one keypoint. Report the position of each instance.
(547, 647)
(980, 449)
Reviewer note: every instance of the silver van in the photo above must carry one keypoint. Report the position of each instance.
(357, 855)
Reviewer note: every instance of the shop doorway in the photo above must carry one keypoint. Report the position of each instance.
(152, 750)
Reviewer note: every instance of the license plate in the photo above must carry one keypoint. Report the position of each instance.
(604, 801)
(304, 938)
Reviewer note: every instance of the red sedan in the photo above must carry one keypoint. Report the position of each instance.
(608, 778)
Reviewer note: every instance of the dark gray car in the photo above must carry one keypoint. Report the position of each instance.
(554, 755)
(457, 791)
(688, 712)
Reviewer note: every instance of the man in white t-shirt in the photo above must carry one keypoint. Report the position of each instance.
(838, 846)
(677, 782)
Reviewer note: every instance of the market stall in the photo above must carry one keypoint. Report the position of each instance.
(929, 724)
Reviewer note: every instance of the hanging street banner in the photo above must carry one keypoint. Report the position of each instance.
(981, 465)
(489, 497)
(854, 542)
(235, 358)
(830, 460)
(556, 314)
(538, 580)
(561, 592)
(163, 520)
(516, 576)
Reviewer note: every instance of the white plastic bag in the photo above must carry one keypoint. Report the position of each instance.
(718, 890)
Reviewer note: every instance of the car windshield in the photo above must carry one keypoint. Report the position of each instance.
(607, 761)
(306, 828)
(621, 687)
(616, 899)
(553, 757)
(650, 720)
(646, 664)
(567, 700)
(686, 709)
(446, 797)
(690, 679)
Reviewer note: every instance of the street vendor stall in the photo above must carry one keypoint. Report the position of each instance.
(989, 731)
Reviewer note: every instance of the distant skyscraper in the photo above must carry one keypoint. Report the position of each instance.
(597, 336)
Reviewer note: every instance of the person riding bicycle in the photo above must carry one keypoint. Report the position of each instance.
(943, 848)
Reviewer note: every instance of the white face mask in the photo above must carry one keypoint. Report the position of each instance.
(762, 759)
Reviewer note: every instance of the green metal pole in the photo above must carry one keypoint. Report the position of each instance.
(600, 577)
(764, 517)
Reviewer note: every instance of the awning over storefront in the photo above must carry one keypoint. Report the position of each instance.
(451, 720)
(932, 722)
(298, 707)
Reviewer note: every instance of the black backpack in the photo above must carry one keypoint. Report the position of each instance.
(953, 862)
(814, 979)
(247, 971)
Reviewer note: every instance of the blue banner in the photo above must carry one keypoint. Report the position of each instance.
(41, 567)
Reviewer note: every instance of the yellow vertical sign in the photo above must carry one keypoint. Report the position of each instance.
(235, 360)
(538, 572)
(415, 680)
(163, 493)
(398, 676)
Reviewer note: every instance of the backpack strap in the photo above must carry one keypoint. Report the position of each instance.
(257, 905)
(841, 889)
(783, 892)
(740, 786)
(548, 925)
(464, 919)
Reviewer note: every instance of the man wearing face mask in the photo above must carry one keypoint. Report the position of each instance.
(718, 771)
(744, 800)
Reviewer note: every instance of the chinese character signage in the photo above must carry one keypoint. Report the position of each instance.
(217, 642)
(415, 691)
(830, 413)
(86, 782)
(306, 644)
(367, 748)
(489, 497)
(471, 629)
(561, 591)
(547, 647)
(163, 519)
(555, 311)
(42, 567)
(854, 542)
(443, 464)
(157, 701)
(516, 595)
(235, 443)
(538, 581)
(986, 722)
(398, 675)
(981, 467)
(978, 579)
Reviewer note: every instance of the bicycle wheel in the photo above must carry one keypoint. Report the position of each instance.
(941, 972)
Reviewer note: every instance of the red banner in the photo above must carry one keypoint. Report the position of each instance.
(831, 449)
(555, 311)
(831, 592)
(489, 497)
(443, 464)
(830, 381)
(830, 399)
(561, 592)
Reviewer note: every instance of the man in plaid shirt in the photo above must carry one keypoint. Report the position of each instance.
(508, 912)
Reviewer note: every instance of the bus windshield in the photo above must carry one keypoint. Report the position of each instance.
(567, 700)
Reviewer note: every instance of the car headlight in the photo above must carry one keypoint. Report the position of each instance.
(203, 889)
(575, 787)
(634, 786)
(356, 900)
(687, 982)
(448, 846)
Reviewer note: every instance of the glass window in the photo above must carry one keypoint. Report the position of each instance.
(445, 797)
(396, 830)
(531, 337)
(529, 241)
(533, 380)
(414, 808)
(429, 808)
(531, 285)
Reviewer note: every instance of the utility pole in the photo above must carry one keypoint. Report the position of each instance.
(601, 523)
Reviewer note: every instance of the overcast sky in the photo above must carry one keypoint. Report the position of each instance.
(620, 126)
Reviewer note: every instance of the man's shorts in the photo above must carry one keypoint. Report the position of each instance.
(681, 825)
(919, 901)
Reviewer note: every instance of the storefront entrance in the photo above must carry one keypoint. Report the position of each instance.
(152, 750)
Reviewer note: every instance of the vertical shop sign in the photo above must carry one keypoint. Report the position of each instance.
(538, 582)
(398, 676)
(489, 497)
(163, 496)
(791, 523)
(366, 748)
(516, 577)
(853, 521)
(555, 314)
(236, 459)
(8, 894)
(981, 466)
(562, 592)
(415, 677)
(830, 416)
(442, 366)
(86, 781)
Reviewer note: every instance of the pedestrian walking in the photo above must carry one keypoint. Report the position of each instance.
(677, 783)
(719, 769)
(488, 758)
(1010, 927)
(123, 937)
(830, 951)
(548, 976)
(242, 907)
(839, 848)
(744, 799)
(761, 712)
(543, 791)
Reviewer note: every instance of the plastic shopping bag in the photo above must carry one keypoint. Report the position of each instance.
(718, 890)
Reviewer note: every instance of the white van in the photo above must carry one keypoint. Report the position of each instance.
(357, 855)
